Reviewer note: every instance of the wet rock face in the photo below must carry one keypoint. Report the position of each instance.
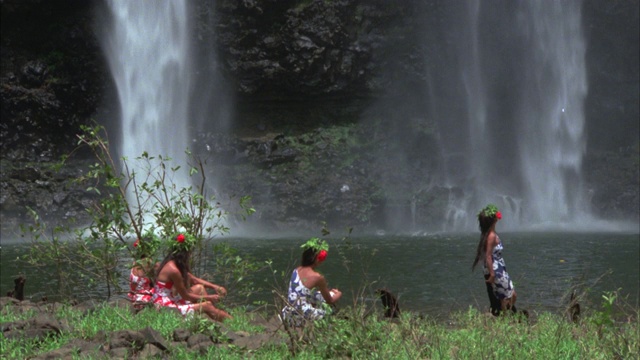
(613, 54)
(52, 77)
(51, 192)
(280, 49)
(51, 81)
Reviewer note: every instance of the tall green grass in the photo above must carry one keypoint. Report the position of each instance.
(356, 334)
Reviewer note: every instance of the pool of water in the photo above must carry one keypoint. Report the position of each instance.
(430, 274)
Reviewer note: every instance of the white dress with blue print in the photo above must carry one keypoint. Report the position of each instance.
(502, 285)
(303, 303)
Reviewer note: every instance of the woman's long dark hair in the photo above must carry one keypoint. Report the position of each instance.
(485, 223)
(181, 258)
(308, 257)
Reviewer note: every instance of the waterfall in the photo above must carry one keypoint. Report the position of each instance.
(551, 112)
(510, 94)
(147, 49)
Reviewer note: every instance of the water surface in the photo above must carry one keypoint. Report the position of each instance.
(430, 274)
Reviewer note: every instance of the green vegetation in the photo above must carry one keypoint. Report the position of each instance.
(359, 333)
(136, 199)
(338, 141)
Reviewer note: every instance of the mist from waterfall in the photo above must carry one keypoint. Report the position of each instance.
(509, 106)
(147, 48)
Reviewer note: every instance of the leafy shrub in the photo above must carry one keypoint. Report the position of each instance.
(137, 201)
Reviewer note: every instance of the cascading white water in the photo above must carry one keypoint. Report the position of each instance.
(475, 114)
(512, 121)
(551, 109)
(147, 48)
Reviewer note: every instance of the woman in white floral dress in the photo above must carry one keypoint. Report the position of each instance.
(308, 290)
(502, 294)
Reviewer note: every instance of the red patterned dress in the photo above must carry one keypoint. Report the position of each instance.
(163, 297)
(140, 290)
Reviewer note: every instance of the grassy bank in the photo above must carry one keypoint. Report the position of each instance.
(351, 334)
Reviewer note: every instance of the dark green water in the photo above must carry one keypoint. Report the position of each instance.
(432, 274)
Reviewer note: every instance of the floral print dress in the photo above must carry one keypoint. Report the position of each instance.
(164, 297)
(502, 285)
(303, 303)
(140, 290)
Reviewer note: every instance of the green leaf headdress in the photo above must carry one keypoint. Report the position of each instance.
(491, 210)
(319, 246)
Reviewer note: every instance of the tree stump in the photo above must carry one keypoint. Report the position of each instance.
(390, 303)
(573, 309)
(18, 288)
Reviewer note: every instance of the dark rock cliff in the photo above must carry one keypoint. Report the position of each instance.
(52, 81)
(297, 69)
(52, 76)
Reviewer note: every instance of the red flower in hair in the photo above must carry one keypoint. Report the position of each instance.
(322, 255)
(135, 244)
(180, 238)
(498, 215)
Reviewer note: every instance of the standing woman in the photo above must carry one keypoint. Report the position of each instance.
(499, 285)
(308, 290)
(174, 277)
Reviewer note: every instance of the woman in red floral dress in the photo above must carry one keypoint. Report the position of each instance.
(172, 286)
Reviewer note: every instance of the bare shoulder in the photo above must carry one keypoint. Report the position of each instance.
(168, 271)
(317, 280)
(310, 278)
(492, 239)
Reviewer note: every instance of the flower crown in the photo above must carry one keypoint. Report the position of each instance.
(491, 210)
(147, 245)
(182, 242)
(319, 247)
